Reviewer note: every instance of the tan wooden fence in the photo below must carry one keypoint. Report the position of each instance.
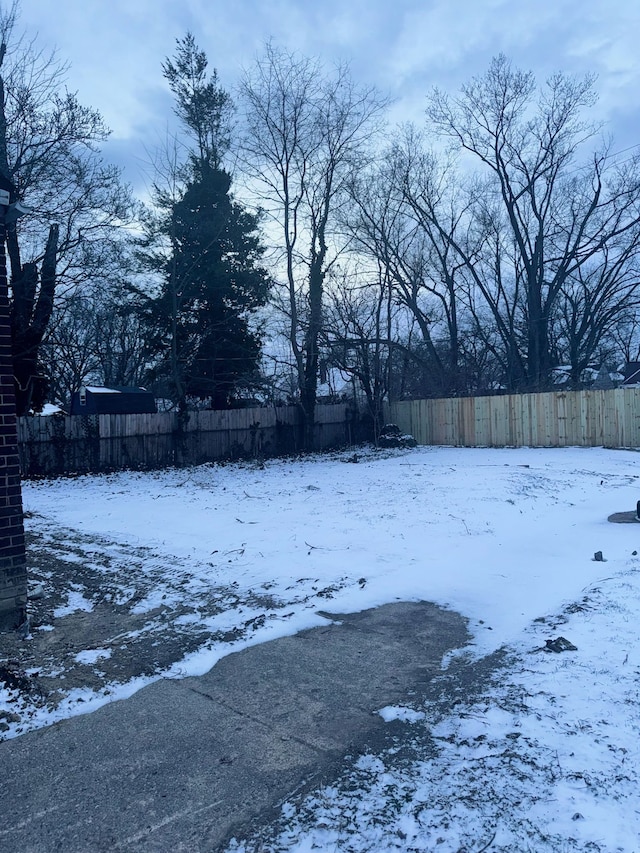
(61, 444)
(555, 419)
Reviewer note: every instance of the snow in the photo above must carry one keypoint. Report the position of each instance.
(548, 759)
(75, 601)
(399, 712)
(50, 409)
(447, 525)
(92, 655)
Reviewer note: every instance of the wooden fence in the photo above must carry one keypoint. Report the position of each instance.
(61, 444)
(555, 419)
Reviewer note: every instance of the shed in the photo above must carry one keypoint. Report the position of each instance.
(98, 400)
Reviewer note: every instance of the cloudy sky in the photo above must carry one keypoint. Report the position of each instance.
(116, 47)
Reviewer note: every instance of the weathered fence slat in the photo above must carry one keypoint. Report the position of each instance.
(590, 418)
(64, 444)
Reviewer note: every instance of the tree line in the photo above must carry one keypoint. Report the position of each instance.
(291, 234)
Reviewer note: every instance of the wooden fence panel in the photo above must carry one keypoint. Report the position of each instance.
(632, 422)
(498, 420)
(591, 418)
(67, 444)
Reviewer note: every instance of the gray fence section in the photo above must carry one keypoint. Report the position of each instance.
(555, 419)
(75, 444)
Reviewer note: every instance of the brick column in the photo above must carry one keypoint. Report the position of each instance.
(13, 562)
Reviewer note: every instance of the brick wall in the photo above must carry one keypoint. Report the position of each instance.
(13, 566)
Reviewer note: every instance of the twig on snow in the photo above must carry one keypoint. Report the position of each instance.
(457, 517)
(489, 842)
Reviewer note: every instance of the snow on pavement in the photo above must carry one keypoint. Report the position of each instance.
(546, 760)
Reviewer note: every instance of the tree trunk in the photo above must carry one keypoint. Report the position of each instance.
(31, 311)
(310, 388)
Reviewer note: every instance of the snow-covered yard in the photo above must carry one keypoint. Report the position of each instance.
(185, 566)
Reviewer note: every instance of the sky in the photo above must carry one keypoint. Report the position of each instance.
(116, 48)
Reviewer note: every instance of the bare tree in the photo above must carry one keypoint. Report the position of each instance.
(360, 332)
(625, 339)
(547, 220)
(120, 347)
(594, 303)
(306, 132)
(69, 352)
(404, 213)
(49, 157)
(94, 338)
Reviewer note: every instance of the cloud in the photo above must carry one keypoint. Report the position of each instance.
(116, 48)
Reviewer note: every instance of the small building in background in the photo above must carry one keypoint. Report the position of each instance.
(604, 381)
(98, 400)
(631, 373)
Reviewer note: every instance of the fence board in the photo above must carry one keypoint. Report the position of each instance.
(64, 444)
(592, 418)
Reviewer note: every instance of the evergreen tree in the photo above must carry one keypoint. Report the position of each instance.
(213, 282)
(212, 278)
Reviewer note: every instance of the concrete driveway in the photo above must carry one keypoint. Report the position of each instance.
(184, 765)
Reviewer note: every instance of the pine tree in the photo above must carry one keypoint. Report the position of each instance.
(213, 283)
(212, 278)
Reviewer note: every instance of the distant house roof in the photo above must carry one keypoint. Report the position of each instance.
(589, 377)
(603, 380)
(99, 400)
(50, 409)
(631, 373)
